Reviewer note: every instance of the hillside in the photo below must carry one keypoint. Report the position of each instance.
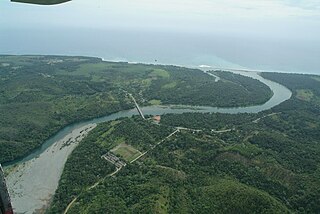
(42, 94)
(247, 163)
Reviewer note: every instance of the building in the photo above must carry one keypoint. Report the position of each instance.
(5, 203)
(113, 159)
(157, 119)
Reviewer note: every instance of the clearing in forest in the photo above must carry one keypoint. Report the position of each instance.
(305, 95)
(127, 152)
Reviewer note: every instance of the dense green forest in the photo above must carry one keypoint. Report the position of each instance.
(85, 166)
(197, 88)
(248, 163)
(39, 95)
(243, 163)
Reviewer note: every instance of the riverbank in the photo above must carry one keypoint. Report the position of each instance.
(40, 176)
(33, 183)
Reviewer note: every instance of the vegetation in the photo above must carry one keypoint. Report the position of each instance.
(263, 163)
(39, 95)
(305, 87)
(127, 152)
(85, 166)
(260, 163)
(305, 95)
(192, 87)
(38, 98)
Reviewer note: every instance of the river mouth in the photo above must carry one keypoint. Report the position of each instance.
(29, 176)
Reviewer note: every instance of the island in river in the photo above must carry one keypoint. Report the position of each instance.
(188, 161)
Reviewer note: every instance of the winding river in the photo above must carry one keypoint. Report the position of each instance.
(33, 180)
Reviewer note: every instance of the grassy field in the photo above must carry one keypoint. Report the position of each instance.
(159, 73)
(305, 95)
(127, 152)
(317, 78)
(169, 85)
(155, 102)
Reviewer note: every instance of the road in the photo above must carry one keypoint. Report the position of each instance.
(91, 187)
(118, 169)
(269, 115)
(222, 131)
(143, 154)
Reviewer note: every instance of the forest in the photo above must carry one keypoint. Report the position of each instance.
(189, 163)
(257, 163)
(85, 165)
(39, 95)
(191, 87)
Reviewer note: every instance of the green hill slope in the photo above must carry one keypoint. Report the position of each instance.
(40, 95)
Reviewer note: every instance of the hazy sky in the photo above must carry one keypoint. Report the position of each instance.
(262, 33)
(266, 16)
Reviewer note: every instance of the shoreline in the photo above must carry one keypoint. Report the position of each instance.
(30, 190)
(198, 66)
(205, 67)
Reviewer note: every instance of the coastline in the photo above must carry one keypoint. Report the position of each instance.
(208, 67)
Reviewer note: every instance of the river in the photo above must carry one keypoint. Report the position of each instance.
(33, 180)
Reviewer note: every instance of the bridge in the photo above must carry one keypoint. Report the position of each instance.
(5, 203)
(137, 106)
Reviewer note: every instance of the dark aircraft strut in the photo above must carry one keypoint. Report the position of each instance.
(41, 2)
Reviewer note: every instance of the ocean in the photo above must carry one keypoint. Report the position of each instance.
(167, 47)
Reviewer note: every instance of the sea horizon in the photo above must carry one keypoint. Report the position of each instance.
(207, 66)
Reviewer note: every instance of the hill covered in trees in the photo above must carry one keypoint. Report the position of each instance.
(40, 95)
(243, 163)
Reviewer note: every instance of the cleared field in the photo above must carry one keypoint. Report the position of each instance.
(155, 102)
(305, 95)
(169, 85)
(317, 78)
(127, 152)
(159, 73)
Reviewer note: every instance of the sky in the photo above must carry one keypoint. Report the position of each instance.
(294, 24)
(227, 15)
